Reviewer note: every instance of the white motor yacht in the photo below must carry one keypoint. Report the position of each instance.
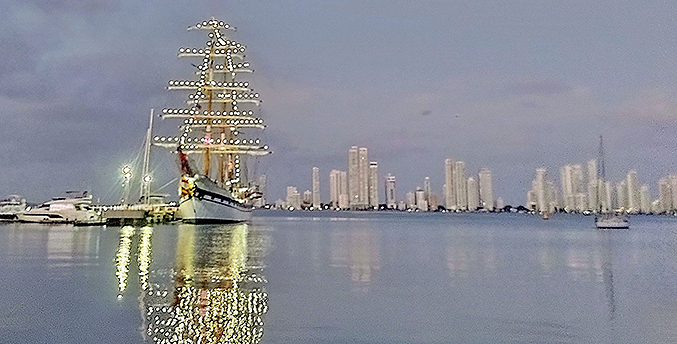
(75, 207)
(10, 207)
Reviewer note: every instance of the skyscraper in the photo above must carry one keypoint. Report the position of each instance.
(473, 194)
(334, 176)
(293, 197)
(421, 201)
(373, 184)
(411, 200)
(460, 185)
(608, 200)
(633, 194)
(316, 188)
(592, 171)
(673, 187)
(645, 199)
(391, 198)
(486, 189)
(665, 194)
(449, 189)
(353, 176)
(622, 195)
(364, 177)
(344, 199)
(568, 188)
(541, 191)
(338, 189)
(358, 177)
(426, 189)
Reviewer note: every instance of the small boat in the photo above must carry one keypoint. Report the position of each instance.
(612, 221)
(10, 207)
(546, 216)
(75, 207)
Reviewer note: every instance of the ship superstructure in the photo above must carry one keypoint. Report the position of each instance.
(220, 109)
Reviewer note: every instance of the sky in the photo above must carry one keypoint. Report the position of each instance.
(508, 85)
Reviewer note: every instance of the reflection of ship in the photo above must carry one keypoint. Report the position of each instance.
(215, 118)
(75, 207)
(217, 294)
(607, 220)
(10, 207)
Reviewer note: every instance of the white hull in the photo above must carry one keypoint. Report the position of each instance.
(195, 210)
(612, 222)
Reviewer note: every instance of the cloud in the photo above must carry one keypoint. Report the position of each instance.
(537, 87)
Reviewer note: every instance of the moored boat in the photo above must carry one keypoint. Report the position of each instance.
(10, 207)
(75, 207)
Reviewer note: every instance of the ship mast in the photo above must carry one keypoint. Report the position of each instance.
(222, 59)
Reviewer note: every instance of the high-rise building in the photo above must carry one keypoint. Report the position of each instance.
(293, 197)
(432, 202)
(644, 199)
(334, 187)
(500, 204)
(532, 202)
(421, 201)
(665, 195)
(568, 189)
(353, 176)
(541, 191)
(593, 197)
(427, 189)
(308, 197)
(473, 194)
(622, 195)
(364, 177)
(316, 188)
(673, 187)
(391, 198)
(358, 177)
(411, 200)
(344, 198)
(486, 189)
(373, 184)
(460, 185)
(553, 205)
(592, 171)
(449, 189)
(609, 200)
(577, 175)
(633, 195)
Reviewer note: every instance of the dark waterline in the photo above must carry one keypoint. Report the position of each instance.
(343, 278)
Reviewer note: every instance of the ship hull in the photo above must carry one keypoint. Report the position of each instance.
(208, 203)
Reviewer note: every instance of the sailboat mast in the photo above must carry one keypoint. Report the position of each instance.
(145, 176)
(601, 158)
(601, 177)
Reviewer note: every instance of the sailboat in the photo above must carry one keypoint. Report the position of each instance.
(219, 110)
(607, 219)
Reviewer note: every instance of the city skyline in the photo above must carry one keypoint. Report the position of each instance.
(480, 87)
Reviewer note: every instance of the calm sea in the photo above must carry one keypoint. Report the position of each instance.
(342, 278)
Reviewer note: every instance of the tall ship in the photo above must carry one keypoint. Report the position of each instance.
(214, 149)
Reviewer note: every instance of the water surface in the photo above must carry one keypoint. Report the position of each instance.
(343, 278)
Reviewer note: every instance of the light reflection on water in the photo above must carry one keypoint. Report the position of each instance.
(213, 293)
(343, 278)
